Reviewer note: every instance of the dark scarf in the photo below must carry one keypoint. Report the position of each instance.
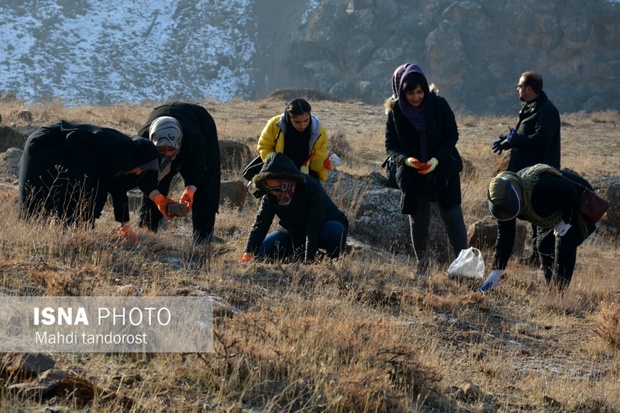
(296, 143)
(418, 120)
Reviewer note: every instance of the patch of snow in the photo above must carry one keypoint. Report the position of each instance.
(312, 4)
(105, 52)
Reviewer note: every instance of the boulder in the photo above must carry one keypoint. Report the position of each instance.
(234, 155)
(233, 194)
(483, 234)
(11, 138)
(9, 162)
(24, 115)
(608, 188)
(375, 218)
(27, 364)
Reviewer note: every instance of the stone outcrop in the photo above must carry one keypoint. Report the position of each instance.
(474, 50)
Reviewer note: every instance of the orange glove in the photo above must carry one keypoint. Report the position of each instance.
(429, 166)
(247, 256)
(128, 235)
(188, 199)
(414, 163)
(327, 164)
(162, 203)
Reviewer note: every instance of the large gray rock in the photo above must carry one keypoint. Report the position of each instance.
(11, 138)
(9, 162)
(375, 218)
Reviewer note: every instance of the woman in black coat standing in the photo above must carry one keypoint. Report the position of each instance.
(420, 138)
(67, 169)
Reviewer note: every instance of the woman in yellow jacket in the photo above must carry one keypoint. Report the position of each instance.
(298, 134)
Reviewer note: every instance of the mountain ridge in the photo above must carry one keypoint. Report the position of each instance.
(96, 52)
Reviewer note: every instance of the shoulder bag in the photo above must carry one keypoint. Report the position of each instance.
(591, 206)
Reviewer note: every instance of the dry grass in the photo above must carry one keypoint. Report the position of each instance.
(361, 334)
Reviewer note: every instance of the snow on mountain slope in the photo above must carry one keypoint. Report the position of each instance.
(107, 51)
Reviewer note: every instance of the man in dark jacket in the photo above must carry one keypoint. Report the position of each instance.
(186, 137)
(549, 199)
(309, 220)
(536, 138)
(67, 169)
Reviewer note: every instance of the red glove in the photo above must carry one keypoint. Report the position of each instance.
(247, 256)
(429, 166)
(162, 203)
(327, 164)
(414, 163)
(188, 199)
(128, 235)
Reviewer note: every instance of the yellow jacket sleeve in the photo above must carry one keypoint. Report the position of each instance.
(320, 154)
(267, 140)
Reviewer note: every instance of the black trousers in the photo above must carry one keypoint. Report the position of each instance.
(203, 213)
(559, 254)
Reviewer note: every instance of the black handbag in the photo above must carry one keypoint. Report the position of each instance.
(253, 168)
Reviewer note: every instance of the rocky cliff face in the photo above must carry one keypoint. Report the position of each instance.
(474, 51)
(97, 52)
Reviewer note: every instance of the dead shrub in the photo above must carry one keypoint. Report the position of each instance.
(608, 325)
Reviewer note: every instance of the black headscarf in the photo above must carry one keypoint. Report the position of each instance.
(296, 144)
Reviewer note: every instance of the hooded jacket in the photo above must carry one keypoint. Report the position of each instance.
(272, 140)
(303, 218)
(198, 160)
(402, 141)
(60, 156)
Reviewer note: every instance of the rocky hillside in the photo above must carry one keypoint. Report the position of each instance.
(94, 52)
(473, 50)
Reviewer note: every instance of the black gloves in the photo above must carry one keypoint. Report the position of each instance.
(503, 142)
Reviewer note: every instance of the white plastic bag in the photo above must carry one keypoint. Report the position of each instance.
(469, 264)
(334, 160)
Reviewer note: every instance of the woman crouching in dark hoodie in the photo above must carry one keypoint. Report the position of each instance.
(309, 220)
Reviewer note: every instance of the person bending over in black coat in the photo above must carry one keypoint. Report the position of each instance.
(548, 198)
(186, 137)
(67, 170)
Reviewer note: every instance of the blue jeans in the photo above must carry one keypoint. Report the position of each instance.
(278, 244)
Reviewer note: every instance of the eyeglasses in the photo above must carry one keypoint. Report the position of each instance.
(276, 189)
